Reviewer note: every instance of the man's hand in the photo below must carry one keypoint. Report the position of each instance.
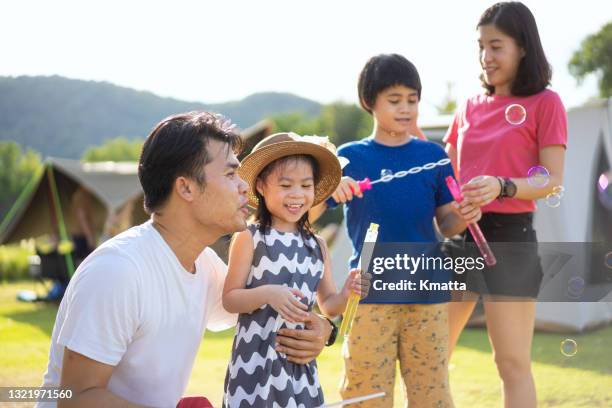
(303, 346)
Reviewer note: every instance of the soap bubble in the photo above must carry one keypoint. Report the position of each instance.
(608, 260)
(516, 114)
(575, 287)
(538, 176)
(386, 175)
(569, 348)
(553, 200)
(559, 190)
(604, 185)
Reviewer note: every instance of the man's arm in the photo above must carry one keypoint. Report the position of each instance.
(303, 346)
(88, 379)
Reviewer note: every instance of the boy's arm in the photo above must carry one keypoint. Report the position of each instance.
(346, 190)
(316, 212)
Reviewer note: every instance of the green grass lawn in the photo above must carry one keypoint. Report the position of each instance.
(584, 380)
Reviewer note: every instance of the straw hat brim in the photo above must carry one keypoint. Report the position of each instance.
(330, 172)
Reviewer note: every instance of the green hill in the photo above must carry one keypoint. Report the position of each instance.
(61, 117)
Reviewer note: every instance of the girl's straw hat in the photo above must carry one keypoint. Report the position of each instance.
(287, 144)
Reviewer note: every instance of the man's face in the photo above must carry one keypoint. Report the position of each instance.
(222, 206)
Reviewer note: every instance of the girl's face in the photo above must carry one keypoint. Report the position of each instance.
(499, 58)
(288, 192)
(396, 109)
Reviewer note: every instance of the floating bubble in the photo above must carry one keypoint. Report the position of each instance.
(559, 190)
(569, 348)
(516, 114)
(553, 200)
(608, 260)
(575, 287)
(386, 175)
(538, 176)
(604, 185)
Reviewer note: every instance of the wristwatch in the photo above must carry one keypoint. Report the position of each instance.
(334, 333)
(508, 188)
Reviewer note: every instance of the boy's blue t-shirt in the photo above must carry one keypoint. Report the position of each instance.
(403, 208)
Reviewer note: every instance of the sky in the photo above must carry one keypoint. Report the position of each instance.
(218, 51)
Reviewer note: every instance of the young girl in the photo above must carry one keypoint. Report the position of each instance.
(276, 268)
(496, 142)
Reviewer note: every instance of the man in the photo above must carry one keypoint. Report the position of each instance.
(129, 327)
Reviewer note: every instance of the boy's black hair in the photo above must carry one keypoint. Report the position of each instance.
(516, 20)
(178, 146)
(383, 71)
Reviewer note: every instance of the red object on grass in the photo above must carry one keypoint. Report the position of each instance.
(194, 402)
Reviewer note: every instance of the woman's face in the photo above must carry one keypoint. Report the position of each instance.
(500, 57)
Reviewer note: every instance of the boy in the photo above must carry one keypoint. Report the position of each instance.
(415, 334)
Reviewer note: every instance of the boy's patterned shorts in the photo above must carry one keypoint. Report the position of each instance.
(414, 334)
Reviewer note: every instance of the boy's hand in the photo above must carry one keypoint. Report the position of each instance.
(346, 190)
(358, 283)
(285, 301)
(470, 213)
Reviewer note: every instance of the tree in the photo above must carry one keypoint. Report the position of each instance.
(16, 169)
(595, 56)
(340, 121)
(449, 104)
(118, 149)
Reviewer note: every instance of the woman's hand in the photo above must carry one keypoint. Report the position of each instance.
(357, 283)
(285, 301)
(481, 190)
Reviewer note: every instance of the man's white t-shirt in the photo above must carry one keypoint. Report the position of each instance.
(132, 305)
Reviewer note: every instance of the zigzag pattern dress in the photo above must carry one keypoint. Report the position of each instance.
(257, 375)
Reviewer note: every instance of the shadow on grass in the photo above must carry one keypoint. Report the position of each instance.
(592, 352)
(43, 317)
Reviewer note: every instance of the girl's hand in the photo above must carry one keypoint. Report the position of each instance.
(481, 190)
(285, 301)
(357, 283)
(346, 190)
(470, 213)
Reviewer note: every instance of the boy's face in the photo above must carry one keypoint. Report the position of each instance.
(396, 109)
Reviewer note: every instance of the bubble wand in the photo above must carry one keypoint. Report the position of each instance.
(479, 238)
(366, 252)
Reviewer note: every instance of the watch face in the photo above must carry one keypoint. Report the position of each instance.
(510, 188)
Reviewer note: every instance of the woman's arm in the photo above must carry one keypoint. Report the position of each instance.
(486, 189)
(237, 299)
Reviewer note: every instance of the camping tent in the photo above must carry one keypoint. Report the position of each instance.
(46, 201)
(581, 217)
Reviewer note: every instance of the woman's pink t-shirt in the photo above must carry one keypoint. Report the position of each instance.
(489, 144)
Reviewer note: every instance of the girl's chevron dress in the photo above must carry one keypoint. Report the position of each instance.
(258, 376)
